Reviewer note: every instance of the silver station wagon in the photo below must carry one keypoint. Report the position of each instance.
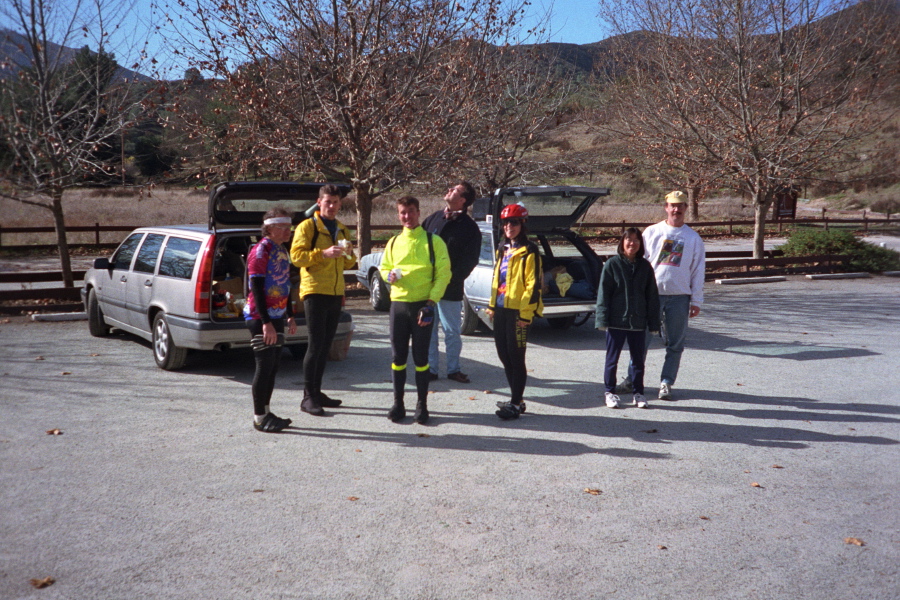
(183, 287)
(552, 211)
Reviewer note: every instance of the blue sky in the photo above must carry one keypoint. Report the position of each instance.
(573, 21)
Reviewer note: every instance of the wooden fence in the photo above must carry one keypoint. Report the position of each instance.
(727, 226)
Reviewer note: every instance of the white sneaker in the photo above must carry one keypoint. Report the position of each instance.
(612, 400)
(639, 400)
(665, 391)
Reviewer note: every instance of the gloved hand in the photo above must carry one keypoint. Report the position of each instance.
(426, 316)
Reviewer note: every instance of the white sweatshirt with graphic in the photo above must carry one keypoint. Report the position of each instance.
(678, 257)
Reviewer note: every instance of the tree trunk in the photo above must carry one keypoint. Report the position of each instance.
(363, 218)
(759, 228)
(693, 192)
(62, 243)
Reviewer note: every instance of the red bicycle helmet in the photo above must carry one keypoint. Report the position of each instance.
(514, 211)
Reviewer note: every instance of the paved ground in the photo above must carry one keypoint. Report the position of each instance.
(782, 443)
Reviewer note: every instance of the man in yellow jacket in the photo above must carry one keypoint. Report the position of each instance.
(322, 250)
(417, 266)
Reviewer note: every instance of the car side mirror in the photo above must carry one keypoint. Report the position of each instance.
(102, 263)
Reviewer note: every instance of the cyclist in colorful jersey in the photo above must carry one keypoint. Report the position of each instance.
(267, 311)
(417, 266)
(515, 300)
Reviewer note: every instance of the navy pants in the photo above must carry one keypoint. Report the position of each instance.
(637, 345)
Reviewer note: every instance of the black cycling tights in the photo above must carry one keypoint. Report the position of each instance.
(510, 340)
(405, 326)
(266, 366)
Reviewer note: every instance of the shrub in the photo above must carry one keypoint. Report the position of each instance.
(863, 256)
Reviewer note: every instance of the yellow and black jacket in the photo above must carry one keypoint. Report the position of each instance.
(523, 281)
(319, 275)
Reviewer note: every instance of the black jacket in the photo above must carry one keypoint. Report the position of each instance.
(628, 297)
(463, 239)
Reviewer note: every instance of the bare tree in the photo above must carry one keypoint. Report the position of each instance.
(371, 92)
(61, 115)
(755, 93)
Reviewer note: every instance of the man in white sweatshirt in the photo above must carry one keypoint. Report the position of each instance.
(679, 261)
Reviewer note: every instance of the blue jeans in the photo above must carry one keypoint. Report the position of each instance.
(449, 315)
(674, 312)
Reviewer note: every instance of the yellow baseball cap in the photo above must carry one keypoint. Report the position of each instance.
(676, 197)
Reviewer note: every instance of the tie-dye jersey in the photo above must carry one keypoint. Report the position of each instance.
(270, 260)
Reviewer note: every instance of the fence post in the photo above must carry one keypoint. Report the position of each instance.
(865, 222)
(97, 233)
(1, 234)
(730, 226)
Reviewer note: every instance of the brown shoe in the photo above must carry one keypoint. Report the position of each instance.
(459, 377)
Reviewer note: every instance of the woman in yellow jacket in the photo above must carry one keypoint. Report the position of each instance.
(515, 301)
(322, 249)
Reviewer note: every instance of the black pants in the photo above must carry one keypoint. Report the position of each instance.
(323, 312)
(510, 340)
(267, 361)
(405, 327)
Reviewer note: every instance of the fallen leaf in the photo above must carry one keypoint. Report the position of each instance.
(486, 392)
(662, 547)
(592, 491)
(42, 583)
(854, 541)
(6, 321)
(357, 450)
(740, 384)
(471, 397)
(39, 358)
(54, 432)
(67, 372)
(422, 435)
(95, 354)
(704, 518)
(650, 430)
(777, 467)
(852, 428)
(754, 484)
(352, 498)
(746, 471)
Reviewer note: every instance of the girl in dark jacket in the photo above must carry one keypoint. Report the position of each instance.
(627, 306)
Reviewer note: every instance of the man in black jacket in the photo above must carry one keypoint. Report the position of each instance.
(463, 239)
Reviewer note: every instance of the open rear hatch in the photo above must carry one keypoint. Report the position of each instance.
(235, 204)
(549, 207)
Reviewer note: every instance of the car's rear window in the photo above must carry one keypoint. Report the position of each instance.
(149, 252)
(179, 257)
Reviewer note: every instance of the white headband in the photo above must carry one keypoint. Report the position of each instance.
(278, 221)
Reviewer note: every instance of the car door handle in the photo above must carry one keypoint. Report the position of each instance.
(148, 283)
(123, 278)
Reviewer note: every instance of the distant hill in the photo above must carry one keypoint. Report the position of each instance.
(16, 54)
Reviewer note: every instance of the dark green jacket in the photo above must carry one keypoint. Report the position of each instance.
(627, 297)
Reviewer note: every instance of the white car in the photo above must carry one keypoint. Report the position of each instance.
(552, 210)
(183, 287)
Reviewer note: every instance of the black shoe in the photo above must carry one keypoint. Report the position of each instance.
(501, 404)
(508, 411)
(311, 405)
(459, 377)
(421, 416)
(326, 401)
(397, 412)
(271, 424)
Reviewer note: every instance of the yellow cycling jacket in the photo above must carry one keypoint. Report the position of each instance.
(319, 275)
(523, 282)
(422, 280)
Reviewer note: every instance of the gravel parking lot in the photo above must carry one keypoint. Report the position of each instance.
(780, 450)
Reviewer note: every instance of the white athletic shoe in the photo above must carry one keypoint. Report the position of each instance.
(665, 391)
(639, 400)
(612, 400)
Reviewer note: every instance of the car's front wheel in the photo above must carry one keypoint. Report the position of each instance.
(470, 319)
(561, 322)
(379, 296)
(168, 356)
(96, 325)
